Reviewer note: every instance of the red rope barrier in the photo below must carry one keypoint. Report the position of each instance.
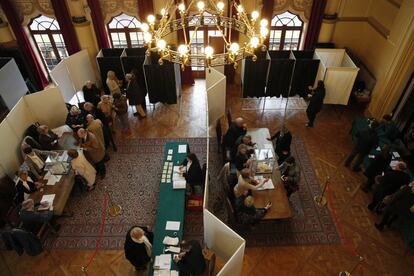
(99, 241)
(342, 235)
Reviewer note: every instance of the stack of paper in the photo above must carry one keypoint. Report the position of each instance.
(172, 225)
(173, 249)
(179, 184)
(162, 261)
(182, 149)
(53, 179)
(170, 241)
(267, 186)
(49, 199)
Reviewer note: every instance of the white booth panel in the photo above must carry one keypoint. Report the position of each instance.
(20, 118)
(60, 76)
(9, 148)
(80, 69)
(338, 84)
(48, 107)
(226, 243)
(12, 84)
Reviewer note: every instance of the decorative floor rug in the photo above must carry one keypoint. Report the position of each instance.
(309, 224)
(132, 180)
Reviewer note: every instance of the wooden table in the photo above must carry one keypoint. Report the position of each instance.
(280, 204)
(61, 189)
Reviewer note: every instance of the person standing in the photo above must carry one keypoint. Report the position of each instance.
(94, 150)
(75, 119)
(91, 93)
(47, 138)
(290, 172)
(315, 103)
(138, 246)
(135, 95)
(96, 127)
(237, 128)
(121, 110)
(282, 144)
(376, 167)
(83, 167)
(113, 83)
(366, 140)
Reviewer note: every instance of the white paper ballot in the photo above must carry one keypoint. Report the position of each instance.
(176, 169)
(268, 146)
(170, 151)
(169, 157)
(162, 261)
(170, 241)
(49, 199)
(173, 249)
(179, 184)
(177, 176)
(172, 225)
(53, 179)
(267, 186)
(182, 149)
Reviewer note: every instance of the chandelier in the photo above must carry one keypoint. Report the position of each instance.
(156, 31)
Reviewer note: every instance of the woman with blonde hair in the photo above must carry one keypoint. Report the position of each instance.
(138, 246)
(113, 83)
(247, 213)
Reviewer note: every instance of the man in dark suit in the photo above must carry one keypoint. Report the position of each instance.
(366, 140)
(315, 103)
(402, 202)
(191, 260)
(389, 183)
(237, 128)
(47, 139)
(32, 219)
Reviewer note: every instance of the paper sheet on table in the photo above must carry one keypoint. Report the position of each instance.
(179, 184)
(162, 261)
(177, 176)
(268, 146)
(267, 186)
(172, 225)
(174, 273)
(169, 157)
(170, 241)
(53, 179)
(182, 149)
(173, 249)
(49, 199)
(263, 154)
(170, 151)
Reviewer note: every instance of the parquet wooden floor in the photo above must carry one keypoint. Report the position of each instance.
(328, 143)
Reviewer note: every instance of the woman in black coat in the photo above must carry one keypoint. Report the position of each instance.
(135, 93)
(376, 167)
(315, 103)
(138, 246)
(193, 173)
(91, 93)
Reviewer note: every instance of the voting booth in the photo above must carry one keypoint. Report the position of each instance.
(12, 84)
(216, 94)
(338, 72)
(46, 107)
(254, 75)
(72, 73)
(110, 60)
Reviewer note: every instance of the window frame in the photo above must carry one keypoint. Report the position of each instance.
(126, 30)
(50, 34)
(283, 30)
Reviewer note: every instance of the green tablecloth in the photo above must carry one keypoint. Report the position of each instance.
(171, 206)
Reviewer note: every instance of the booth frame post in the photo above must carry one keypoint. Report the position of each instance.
(290, 90)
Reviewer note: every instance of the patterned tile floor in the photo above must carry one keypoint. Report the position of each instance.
(328, 144)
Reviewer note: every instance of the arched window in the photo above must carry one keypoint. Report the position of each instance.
(285, 32)
(124, 32)
(49, 40)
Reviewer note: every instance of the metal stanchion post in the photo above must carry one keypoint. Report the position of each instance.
(320, 200)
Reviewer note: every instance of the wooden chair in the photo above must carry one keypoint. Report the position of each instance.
(231, 218)
(229, 120)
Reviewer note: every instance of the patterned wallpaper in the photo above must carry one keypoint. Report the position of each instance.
(29, 9)
(303, 7)
(112, 8)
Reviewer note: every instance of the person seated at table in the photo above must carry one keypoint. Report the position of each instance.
(242, 159)
(35, 159)
(25, 186)
(290, 172)
(91, 93)
(366, 140)
(283, 140)
(138, 246)
(243, 140)
(376, 167)
(388, 128)
(191, 259)
(32, 218)
(193, 174)
(28, 141)
(247, 183)
(75, 119)
(388, 184)
(47, 138)
(237, 128)
(82, 167)
(399, 204)
(247, 213)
